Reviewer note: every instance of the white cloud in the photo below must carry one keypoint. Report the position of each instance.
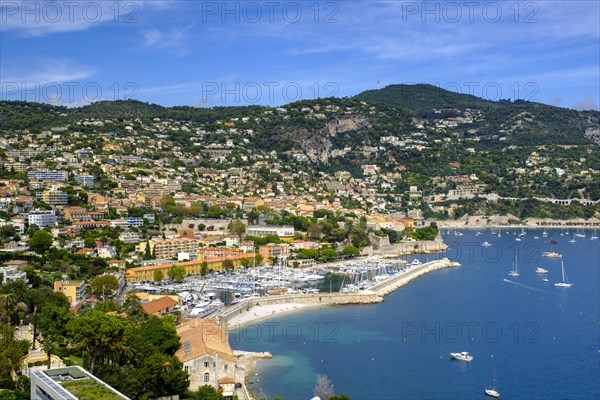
(50, 71)
(173, 40)
(587, 104)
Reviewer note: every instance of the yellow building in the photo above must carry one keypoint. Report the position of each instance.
(142, 274)
(73, 290)
(169, 248)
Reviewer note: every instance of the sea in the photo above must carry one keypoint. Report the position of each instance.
(541, 341)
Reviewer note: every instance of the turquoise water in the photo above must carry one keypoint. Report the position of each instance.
(542, 340)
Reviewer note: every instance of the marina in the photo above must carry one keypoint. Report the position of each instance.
(413, 331)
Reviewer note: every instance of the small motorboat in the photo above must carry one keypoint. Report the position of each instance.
(462, 356)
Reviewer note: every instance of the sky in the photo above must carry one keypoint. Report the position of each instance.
(214, 53)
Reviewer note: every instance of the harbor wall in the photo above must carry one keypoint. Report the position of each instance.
(395, 282)
(366, 297)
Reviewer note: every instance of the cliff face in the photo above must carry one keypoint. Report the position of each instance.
(346, 124)
(315, 141)
(593, 134)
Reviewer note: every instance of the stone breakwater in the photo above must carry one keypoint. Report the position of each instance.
(365, 297)
(397, 281)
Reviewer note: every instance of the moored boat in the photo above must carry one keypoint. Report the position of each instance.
(462, 356)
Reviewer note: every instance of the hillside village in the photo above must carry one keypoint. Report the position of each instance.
(126, 193)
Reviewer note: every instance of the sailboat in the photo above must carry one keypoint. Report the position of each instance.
(515, 270)
(580, 233)
(594, 235)
(493, 392)
(565, 280)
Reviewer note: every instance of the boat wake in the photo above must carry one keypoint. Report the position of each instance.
(525, 286)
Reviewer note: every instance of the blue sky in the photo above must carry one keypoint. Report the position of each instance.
(206, 53)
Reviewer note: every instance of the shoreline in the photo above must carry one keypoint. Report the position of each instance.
(519, 226)
(263, 312)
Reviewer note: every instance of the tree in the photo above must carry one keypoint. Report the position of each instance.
(161, 375)
(228, 264)
(207, 392)
(176, 273)
(159, 275)
(133, 307)
(327, 253)
(245, 262)
(350, 251)
(49, 346)
(101, 336)
(161, 334)
(40, 241)
(105, 285)
(237, 228)
(52, 321)
(147, 253)
(204, 268)
(324, 388)
(314, 231)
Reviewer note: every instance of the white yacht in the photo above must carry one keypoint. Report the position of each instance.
(565, 280)
(515, 270)
(493, 392)
(551, 254)
(541, 270)
(462, 356)
(415, 263)
(486, 244)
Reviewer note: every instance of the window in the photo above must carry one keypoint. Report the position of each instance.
(187, 369)
(206, 364)
(206, 377)
(225, 367)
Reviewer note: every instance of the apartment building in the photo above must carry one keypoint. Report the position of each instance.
(48, 175)
(284, 232)
(273, 250)
(55, 197)
(76, 213)
(41, 218)
(85, 180)
(168, 248)
(74, 290)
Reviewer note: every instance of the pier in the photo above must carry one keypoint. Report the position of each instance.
(389, 285)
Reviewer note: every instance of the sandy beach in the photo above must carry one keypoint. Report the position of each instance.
(264, 311)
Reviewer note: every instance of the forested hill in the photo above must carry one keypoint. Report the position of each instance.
(322, 125)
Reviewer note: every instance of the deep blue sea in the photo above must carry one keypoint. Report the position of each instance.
(543, 341)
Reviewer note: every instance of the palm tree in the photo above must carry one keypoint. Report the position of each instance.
(19, 307)
(7, 302)
(48, 346)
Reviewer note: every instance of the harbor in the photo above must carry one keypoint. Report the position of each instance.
(239, 294)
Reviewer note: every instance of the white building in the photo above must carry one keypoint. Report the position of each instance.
(85, 180)
(129, 237)
(265, 230)
(47, 175)
(41, 218)
(11, 273)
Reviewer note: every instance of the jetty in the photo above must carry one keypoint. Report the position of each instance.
(389, 285)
